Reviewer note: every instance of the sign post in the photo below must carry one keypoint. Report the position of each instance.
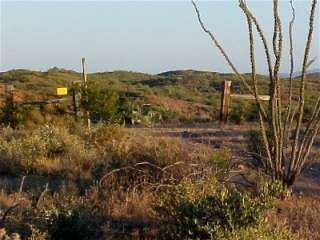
(62, 91)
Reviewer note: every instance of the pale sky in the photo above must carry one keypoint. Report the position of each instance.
(144, 36)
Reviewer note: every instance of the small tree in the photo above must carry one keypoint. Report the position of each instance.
(287, 141)
(103, 104)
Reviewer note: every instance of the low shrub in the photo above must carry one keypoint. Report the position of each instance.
(13, 115)
(206, 210)
(243, 111)
(61, 214)
(103, 104)
(47, 150)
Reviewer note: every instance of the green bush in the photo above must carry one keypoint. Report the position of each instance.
(13, 115)
(103, 104)
(205, 210)
(108, 105)
(269, 189)
(243, 111)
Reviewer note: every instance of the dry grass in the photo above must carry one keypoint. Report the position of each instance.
(301, 214)
(131, 205)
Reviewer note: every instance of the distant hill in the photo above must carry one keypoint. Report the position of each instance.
(297, 74)
(185, 72)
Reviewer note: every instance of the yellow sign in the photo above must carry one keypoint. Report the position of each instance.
(62, 91)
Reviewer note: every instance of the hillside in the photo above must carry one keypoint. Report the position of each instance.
(172, 83)
(190, 94)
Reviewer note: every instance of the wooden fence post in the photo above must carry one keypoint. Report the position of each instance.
(225, 101)
(85, 85)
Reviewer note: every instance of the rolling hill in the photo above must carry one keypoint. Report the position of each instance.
(189, 93)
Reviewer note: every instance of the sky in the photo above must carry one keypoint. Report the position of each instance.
(143, 36)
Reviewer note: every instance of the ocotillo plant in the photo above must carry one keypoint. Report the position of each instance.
(286, 138)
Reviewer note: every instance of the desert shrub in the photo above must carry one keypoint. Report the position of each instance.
(237, 114)
(262, 231)
(258, 152)
(269, 189)
(13, 115)
(35, 118)
(221, 158)
(167, 115)
(47, 150)
(61, 214)
(103, 104)
(205, 210)
(21, 154)
(136, 113)
(243, 111)
(112, 106)
(68, 215)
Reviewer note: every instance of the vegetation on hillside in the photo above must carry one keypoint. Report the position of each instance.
(176, 96)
